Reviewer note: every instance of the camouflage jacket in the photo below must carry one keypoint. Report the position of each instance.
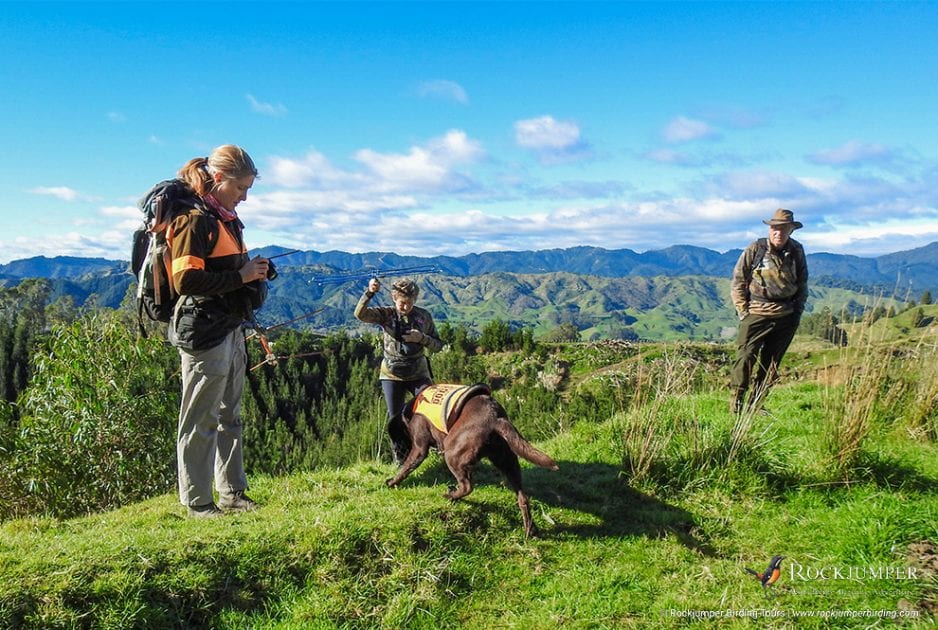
(773, 286)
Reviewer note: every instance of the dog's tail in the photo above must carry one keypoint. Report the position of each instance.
(521, 447)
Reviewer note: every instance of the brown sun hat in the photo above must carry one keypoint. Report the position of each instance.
(783, 217)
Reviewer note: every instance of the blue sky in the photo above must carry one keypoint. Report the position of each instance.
(453, 128)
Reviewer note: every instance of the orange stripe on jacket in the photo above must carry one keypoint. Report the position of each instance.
(184, 263)
(226, 245)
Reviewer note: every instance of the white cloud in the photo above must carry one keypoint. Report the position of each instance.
(455, 147)
(113, 245)
(429, 167)
(851, 153)
(60, 192)
(116, 117)
(353, 215)
(444, 196)
(871, 238)
(440, 88)
(415, 169)
(757, 185)
(553, 141)
(313, 169)
(683, 129)
(319, 206)
(268, 109)
(546, 133)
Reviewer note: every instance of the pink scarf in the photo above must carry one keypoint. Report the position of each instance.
(223, 213)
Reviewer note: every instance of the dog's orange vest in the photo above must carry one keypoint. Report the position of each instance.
(438, 402)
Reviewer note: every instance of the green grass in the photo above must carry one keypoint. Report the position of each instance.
(339, 549)
(901, 328)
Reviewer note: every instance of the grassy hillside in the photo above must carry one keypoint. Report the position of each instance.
(659, 507)
(338, 549)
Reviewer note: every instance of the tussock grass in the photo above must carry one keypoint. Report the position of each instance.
(877, 384)
(675, 436)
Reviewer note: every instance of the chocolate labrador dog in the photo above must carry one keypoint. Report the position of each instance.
(465, 423)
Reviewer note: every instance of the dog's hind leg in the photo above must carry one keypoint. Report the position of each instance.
(502, 457)
(529, 529)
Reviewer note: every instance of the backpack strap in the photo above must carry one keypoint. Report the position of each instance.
(762, 246)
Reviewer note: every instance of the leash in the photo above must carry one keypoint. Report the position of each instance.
(270, 357)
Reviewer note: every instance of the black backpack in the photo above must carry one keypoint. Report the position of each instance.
(150, 259)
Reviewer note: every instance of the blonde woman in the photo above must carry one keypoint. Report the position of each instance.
(218, 287)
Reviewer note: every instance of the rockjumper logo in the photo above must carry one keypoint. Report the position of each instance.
(856, 573)
(770, 576)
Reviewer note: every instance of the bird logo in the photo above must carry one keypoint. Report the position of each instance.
(771, 574)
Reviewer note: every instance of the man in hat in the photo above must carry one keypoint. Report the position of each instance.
(769, 290)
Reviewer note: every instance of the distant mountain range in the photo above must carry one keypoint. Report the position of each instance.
(681, 290)
(915, 269)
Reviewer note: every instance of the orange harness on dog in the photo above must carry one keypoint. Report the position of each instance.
(440, 403)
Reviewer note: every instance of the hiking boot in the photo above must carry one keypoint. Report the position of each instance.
(209, 510)
(237, 502)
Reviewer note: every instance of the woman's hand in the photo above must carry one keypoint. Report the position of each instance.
(254, 269)
(374, 285)
(413, 336)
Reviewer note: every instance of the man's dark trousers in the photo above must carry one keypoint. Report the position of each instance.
(761, 344)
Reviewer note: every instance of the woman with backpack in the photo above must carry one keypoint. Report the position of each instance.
(219, 288)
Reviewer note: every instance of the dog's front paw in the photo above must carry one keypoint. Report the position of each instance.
(390, 483)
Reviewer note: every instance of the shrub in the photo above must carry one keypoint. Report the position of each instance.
(97, 421)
